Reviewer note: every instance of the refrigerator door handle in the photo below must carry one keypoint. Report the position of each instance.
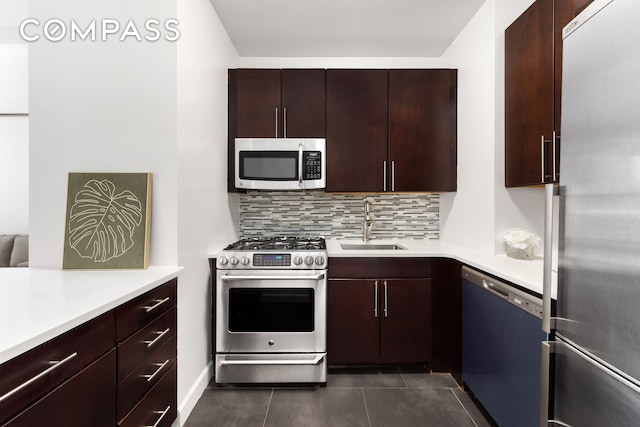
(545, 379)
(549, 191)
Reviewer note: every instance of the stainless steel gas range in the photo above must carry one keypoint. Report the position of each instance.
(271, 298)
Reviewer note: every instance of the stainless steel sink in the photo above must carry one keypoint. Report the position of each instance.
(372, 246)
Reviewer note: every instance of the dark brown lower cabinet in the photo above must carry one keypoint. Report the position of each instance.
(158, 407)
(86, 399)
(353, 330)
(119, 368)
(405, 321)
(147, 357)
(379, 321)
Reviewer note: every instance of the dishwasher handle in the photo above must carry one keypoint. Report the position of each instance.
(521, 299)
(495, 289)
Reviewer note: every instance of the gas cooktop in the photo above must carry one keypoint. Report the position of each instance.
(278, 243)
(286, 252)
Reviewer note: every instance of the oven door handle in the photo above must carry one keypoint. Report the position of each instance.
(316, 360)
(229, 277)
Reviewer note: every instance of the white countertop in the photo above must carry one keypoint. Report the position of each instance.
(39, 304)
(524, 273)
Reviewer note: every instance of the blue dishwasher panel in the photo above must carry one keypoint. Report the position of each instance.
(501, 356)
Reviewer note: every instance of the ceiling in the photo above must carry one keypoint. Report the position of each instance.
(344, 28)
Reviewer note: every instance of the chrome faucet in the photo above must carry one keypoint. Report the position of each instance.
(369, 220)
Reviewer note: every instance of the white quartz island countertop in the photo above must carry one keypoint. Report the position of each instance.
(39, 304)
(524, 273)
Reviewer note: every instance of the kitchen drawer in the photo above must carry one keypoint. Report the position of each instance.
(32, 374)
(141, 380)
(375, 267)
(87, 399)
(138, 347)
(147, 307)
(158, 408)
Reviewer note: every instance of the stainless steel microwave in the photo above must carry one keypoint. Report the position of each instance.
(280, 163)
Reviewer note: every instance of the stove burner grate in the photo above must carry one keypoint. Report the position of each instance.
(278, 243)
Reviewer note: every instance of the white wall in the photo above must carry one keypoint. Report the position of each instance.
(516, 207)
(483, 209)
(339, 62)
(466, 216)
(101, 106)
(139, 106)
(204, 219)
(14, 174)
(14, 121)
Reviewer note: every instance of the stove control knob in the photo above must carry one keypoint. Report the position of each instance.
(223, 260)
(234, 260)
(319, 260)
(297, 260)
(308, 260)
(245, 260)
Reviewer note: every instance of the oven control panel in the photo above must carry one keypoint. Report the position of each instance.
(271, 260)
(277, 260)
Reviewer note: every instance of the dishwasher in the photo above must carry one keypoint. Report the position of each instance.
(501, 341)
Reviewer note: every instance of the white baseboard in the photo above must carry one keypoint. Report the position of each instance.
(189, 402)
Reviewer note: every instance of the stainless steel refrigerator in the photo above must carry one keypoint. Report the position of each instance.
(593, 359)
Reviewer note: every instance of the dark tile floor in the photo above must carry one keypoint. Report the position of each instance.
(371, 398)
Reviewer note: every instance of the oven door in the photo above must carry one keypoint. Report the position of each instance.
(267, 311)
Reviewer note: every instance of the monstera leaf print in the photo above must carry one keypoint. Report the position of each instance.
(101, 222)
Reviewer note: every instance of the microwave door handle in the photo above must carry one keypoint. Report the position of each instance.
(300, 165)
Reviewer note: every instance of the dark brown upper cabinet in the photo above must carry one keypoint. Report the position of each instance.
(274, 103)
(423, 130)
(357, 117)
(278, 103)
(391, 130)
(533, 87)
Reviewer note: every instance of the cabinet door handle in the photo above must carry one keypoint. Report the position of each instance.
(393, 175)
(162, 414)
(556, 143)
(157, 304)
(386, 300)
(542, 156)
(157, 371)
(55, 364)
(300, 171)
(384, 175)
(156, 339)
(375, 299)
(543, 143)
(276, 122)
(284, 122)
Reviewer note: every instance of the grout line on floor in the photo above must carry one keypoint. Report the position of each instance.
(266, 414)
(463, 407)
(366, 409)
(406, 385)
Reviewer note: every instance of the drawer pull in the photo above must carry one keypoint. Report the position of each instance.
(55, 364)
(157, 304)
(155, 340)
(162, 414)
(157, 371)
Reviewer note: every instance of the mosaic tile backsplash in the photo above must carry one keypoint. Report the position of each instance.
(340, 216)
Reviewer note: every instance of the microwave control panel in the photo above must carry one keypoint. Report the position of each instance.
(312, 165)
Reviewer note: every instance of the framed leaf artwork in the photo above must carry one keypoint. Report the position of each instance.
(108, 221)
